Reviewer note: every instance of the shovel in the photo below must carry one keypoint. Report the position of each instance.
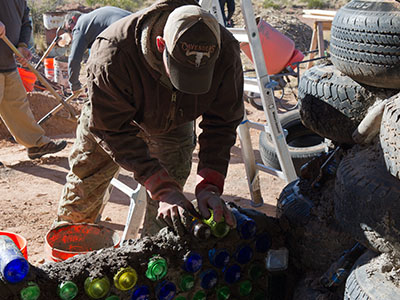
(52, 45)
(58, 108)
(42, 80)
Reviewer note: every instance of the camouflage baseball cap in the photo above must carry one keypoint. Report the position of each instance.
(192, 38)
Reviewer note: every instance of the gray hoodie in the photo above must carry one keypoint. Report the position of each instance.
(88, 27)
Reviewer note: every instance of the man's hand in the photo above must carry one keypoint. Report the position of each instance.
(2, 30)
(208, 190)
(173, 203)
(27, 56)
(208, 198)
(172, 211)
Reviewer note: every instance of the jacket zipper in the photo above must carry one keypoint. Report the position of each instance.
(171, 115)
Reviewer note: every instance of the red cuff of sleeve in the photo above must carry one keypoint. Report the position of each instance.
(161, 183)
(210, 177)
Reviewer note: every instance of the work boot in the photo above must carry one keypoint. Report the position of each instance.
(50, 147)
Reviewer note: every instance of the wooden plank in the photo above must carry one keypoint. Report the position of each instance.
(320, 12)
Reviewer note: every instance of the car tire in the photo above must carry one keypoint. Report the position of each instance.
(365, 43)
(332, 104)
(389, 136)
(367, 199)
(303, 144)
(366, 281)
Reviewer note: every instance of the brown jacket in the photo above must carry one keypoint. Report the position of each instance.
(125, 91)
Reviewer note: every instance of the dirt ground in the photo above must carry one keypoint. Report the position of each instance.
(29, 190)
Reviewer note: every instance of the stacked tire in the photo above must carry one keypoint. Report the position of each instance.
(333, 99)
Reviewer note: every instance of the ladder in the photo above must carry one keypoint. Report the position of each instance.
(264, 86)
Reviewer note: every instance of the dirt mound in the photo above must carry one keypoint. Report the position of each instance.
(41, 103)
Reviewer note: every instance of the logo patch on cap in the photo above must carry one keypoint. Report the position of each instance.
(199, 51)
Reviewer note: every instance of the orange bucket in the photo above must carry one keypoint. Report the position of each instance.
(28, 79)
(277, 47)
(18, 240)
(69, 240)
(49, 68)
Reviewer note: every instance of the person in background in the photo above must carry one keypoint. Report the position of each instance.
(230, 5)
(85, 28)
(150, 76)
(14, 106)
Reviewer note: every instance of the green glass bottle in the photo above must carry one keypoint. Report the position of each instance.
(219, 229)
(67, 290)
(97, 288)
(223, 293)
(256, 270)
(30, 292)
(186, 282)
(245, 288)
(112, 297)
(156, 268)
(200, 295)
(180, 298)
(125, 279)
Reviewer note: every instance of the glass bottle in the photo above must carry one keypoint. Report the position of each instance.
(223, 293)
(13, 266)
(97, 288)
(141, 292)
(245, 288)
(30, 292)
(339, 270)
(246, 226)
(67, 290)
(259, 295)
(156, 268)
(200, 295)
(244, 254)
(219, 229)
(256, 270)
(208, 279)
(232, 273)
(219, 258)
(186, 282)
(165, 290)
(125, 279)
(113, 297)
(192, 262)
(263, 243)
(200, 230)
(180, 298)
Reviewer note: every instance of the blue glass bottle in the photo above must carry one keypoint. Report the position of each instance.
(219, 258)
(141, 292)
(192, 262)
(165, 290)
(232, 273)
(208, 279)
(244, 254)
(246, 226)
(13, 265)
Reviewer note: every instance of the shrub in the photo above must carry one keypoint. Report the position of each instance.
(270, 4)
(316, 4)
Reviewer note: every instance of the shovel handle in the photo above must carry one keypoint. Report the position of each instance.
(41, 78)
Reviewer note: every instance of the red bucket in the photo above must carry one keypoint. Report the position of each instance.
(18, 240)
(69, 240)
(28, 79)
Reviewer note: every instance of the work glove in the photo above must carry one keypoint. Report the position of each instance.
(173, 204)
(208, 191)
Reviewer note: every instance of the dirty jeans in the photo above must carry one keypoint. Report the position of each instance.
(92, 169)
(16, 113)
